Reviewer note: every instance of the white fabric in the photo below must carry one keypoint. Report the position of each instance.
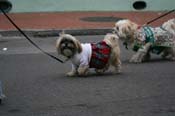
(83, 58)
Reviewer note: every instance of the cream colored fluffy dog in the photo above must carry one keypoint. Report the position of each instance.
(83, 56)
(145, 39)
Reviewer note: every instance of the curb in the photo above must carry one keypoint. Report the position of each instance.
(55, 32)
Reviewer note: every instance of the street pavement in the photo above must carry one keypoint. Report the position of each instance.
(36, 85)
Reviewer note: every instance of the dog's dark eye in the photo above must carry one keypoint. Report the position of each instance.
(63, 45)
(117, 28)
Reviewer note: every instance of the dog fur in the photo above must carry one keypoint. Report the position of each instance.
(81, 57)
(130, 32)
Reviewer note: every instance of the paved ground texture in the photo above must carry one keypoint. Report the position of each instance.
(36, 85)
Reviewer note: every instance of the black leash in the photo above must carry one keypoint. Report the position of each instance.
(160, 17)
(29, 38)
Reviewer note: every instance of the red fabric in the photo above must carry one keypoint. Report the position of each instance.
(100, 55)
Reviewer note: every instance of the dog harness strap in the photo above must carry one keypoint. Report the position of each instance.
(149, 34)
(149, 37)
(163, 28)
(100, 55)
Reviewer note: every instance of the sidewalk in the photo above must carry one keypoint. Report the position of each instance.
(76, 20)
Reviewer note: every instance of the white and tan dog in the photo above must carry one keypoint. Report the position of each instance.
(145, 39)
(83, 56)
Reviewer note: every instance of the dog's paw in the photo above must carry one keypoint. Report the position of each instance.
(118, 70)
(138, 57)
(172, 58)
(135, 59)
(168, 57)
(71, 74)
(82, 71)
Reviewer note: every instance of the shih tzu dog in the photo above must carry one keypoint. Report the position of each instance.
(83, 56)
(145, 40)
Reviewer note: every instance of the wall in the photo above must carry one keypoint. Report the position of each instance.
(87, 5)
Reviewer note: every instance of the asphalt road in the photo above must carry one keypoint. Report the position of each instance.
(36, 85)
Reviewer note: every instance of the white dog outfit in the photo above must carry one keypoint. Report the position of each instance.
(94, 55)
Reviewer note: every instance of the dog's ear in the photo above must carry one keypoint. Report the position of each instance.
(116, 28)
(134, 26)
(78, 46)
(173, 25)
(131, 27)
(58, 45)
(62, 33)
(126, 29)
